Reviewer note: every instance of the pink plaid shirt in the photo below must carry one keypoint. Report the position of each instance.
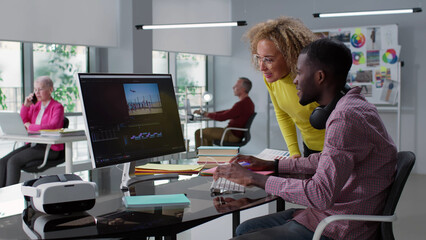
(352, 175)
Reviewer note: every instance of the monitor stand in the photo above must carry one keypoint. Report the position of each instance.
(128, 178)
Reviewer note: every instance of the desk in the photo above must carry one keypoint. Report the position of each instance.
(68, 140)
(110, 219)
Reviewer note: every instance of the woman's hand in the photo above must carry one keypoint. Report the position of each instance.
(28, 100)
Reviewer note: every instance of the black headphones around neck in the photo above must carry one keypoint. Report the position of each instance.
(320, 114)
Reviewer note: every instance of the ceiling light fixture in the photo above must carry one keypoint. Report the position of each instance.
(191, 25)
(366, 13)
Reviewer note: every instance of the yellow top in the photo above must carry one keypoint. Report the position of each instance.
(290, 114)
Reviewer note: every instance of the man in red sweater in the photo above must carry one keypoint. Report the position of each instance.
(238, 115)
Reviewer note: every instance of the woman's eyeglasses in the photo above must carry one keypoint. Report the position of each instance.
(268, 61)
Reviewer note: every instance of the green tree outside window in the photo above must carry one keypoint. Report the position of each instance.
(2, 97)
(61, 63)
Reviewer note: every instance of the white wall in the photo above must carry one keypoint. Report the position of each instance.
(133, 53)
(78, 22)
(199, 40)
(412, 33)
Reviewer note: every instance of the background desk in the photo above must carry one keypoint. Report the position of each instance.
(110, 219)
(68, 140)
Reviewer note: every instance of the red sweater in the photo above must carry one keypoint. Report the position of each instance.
(239, 114)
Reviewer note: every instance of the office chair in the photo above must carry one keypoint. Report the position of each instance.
(405, 163)
(40, 166)
(244, 140)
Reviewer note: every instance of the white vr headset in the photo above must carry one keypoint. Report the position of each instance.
(57, 194)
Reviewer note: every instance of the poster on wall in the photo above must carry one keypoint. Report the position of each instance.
(375, 60)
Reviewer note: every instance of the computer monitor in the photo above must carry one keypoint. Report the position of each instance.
(129, 117)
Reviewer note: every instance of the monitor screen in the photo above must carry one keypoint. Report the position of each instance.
(130, 117)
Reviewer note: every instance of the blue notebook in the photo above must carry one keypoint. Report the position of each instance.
(156, 200)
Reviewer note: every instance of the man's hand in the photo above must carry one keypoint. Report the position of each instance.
(200, 112)
(295, 156)
(254, 163)
(238, 174)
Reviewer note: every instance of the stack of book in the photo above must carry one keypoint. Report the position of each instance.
(61, 132)
(153, 168)
(211, 156)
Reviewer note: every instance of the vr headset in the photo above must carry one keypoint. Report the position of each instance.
(58, 194)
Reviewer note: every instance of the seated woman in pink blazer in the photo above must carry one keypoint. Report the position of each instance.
(46, 113)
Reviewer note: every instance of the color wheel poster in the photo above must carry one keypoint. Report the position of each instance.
(375, 60)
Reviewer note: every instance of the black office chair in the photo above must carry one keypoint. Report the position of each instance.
(42, 164)
(244, 140)
(405, 163)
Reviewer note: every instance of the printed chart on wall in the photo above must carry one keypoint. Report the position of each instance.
(375, 60)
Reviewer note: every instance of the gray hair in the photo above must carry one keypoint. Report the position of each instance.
(46, 80)
(246, 84)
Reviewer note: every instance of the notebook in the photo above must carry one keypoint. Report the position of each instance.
(156, 200)
(11, 124)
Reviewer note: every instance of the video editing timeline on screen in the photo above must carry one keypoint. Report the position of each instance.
(146, 135)
(134, 133)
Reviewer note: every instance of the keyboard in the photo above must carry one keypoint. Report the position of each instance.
(225, 186)
(272, 154)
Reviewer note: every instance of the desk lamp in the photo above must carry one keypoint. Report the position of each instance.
(205, 98)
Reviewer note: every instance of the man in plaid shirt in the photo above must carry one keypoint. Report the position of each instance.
(351, 175)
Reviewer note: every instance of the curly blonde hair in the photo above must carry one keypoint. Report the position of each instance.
(288, 34)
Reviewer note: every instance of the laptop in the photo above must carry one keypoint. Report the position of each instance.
(11, 124)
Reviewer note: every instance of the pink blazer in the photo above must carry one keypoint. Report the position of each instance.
(53, 118)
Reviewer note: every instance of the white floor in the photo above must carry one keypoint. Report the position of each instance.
(411, 210)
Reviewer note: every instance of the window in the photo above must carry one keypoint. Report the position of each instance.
(61, 63)
(10, 83)
(191, 77)
(190, 71)
(160, 62)
(191, 81)
(10, 75)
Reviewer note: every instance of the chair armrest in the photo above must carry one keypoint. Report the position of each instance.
(373, 218)
(46, 155)
(231, 128)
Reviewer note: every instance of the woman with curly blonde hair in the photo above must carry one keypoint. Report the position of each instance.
(275, 45)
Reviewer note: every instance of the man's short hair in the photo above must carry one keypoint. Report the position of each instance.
(246, 84)
(331, 56)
